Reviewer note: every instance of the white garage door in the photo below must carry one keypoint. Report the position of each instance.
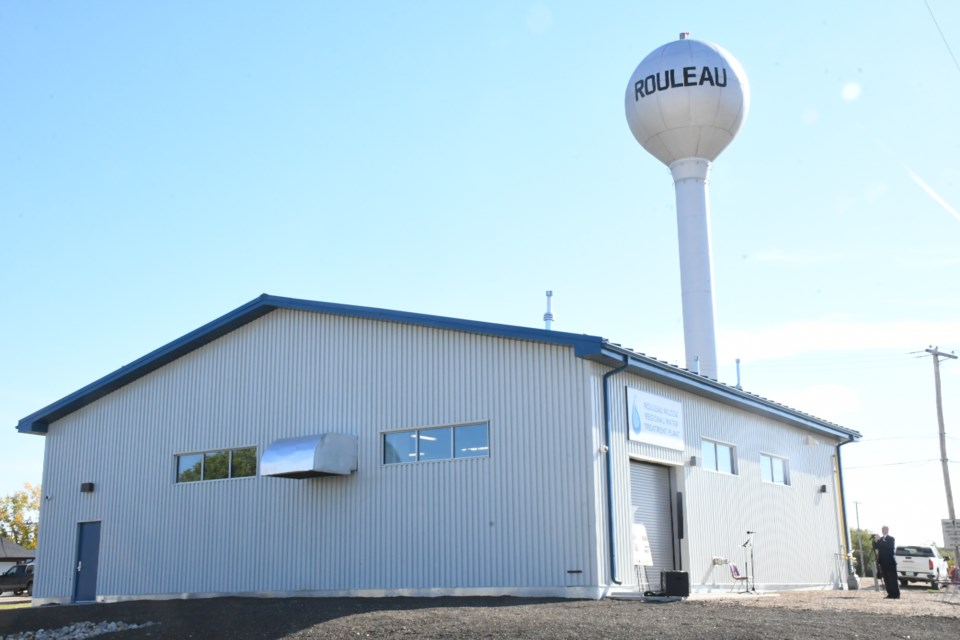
(650, 502)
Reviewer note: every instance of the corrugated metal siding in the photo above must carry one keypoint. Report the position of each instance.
(622, 450)
(798, 527)
(523, 517)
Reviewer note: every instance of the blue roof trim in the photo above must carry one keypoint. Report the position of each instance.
(37, 422)
(719, 392)
(584, 346)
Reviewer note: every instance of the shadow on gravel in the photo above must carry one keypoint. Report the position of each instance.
(231, 617)
(485, 618)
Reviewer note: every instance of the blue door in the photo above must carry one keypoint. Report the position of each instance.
(88, 554)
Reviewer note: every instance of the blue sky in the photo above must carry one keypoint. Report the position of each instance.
(162, 164)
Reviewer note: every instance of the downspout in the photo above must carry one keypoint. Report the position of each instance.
(852, 582)
(606, 439)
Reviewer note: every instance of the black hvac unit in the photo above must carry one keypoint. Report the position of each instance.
(676, 583)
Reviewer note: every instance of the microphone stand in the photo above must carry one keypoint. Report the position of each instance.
(751, 565)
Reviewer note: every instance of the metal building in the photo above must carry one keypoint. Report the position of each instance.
(294, 447)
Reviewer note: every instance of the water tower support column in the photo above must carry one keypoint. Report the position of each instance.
(696, 283)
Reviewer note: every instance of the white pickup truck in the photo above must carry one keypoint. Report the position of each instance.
(921, 564)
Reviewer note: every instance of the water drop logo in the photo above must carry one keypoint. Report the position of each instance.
(635, 423)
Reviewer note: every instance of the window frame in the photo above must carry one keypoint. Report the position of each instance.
(203, 455)
(769, 469)
(423, 434)
(734, 467)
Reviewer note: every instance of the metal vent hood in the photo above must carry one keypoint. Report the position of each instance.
(326, 454)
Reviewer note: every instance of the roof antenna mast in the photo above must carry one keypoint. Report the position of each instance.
(548, 316)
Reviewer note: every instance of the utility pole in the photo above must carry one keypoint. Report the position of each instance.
(937, 354)
(863, 562)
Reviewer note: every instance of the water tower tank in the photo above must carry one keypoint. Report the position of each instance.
(687, 99)
(684, 103)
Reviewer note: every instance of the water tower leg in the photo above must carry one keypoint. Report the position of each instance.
(696, 279)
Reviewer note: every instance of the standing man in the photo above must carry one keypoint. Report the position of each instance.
(886, 547)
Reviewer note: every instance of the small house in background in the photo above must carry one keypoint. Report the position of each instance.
(13, 554)
(294, 447)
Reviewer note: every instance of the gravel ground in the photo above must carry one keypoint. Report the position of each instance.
(809, 614)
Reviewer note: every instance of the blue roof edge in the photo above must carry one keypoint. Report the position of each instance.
(614, 355)
(585, 346)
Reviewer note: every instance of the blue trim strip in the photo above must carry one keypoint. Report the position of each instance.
(38, 422)
(585, 346)
(718, 392)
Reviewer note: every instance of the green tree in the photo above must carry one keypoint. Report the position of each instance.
(216, 465)
(243, 463)
(19, 516)
(867, 565)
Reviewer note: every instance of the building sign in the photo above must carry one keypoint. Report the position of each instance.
(951, 533)
(641, 545)
(654, 419)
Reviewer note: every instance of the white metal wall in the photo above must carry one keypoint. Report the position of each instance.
(520, 521)
(531, 519)
(621, 451)
(798, 530)
(798, 527)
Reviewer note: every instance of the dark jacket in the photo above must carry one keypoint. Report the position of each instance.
(886, 547)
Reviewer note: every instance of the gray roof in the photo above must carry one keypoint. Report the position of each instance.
(11, 551)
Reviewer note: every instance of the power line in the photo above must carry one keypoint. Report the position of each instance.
(831, 365)
(943, 37)
(840, 359)
(915, 436)
(840, 362)
(910, 437)
(894, 464)
(866, 355)
(891, 464)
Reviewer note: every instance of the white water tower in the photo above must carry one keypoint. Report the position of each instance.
(685, 102)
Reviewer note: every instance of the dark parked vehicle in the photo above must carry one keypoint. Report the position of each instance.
(18, 579)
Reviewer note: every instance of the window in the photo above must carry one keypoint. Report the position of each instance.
(190, 468)
(773, 469)
(217, 465)
(243, 462)
(718, 457)
(438, 443)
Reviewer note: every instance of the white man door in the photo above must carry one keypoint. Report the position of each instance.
(650, 504)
